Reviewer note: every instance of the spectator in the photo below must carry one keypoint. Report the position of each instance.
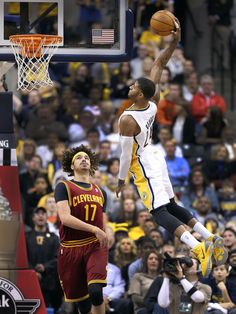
(77, 131)
(113, 137)
(128, 213)
(190, 87)
(44, 122)
(40, 189)
(214, 224)
(56, 162)
(227, 200)
(82, 81)
(184, 290)
(46, 151)
(167, 107)
(114, 291)
(94, 101)
(183, 125)
(219, 17)
(178, 167)
(223, 299)
(125, 253)
(176, 62)
(138, 231)
(157, 236)
(121, 81)
(28, 177)
(232, 264)
(164, 134)
(141, 282)
(137, 63)
(205, 98)
(111, 179)
(197, 187)
(33, 102)
(165, 82)
(104, 155)
(27, 152)
(230, 142)
(213, 127)
(42, 247)
(229, 236)
(202, 206)
(144, 245)
(218, 167)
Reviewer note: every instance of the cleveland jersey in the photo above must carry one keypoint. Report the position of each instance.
(86, 204)
(148, 169)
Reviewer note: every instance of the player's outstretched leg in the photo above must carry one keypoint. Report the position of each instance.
(201, 250)
(220, 253)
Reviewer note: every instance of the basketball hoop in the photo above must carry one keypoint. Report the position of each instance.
(33, 53)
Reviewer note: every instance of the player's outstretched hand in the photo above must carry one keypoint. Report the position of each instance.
(101, 236)
(177, 32)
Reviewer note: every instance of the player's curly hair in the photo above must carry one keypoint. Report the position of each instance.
(69, 154)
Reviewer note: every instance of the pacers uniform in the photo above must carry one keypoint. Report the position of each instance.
(81, 260)
(148, 167)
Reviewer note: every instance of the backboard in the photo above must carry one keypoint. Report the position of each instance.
(92, 30)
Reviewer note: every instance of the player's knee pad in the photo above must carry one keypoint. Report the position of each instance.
(163, 218)
(179, 212)
(85, 306)
(95, 293)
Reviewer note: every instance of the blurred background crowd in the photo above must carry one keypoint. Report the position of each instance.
(193, 129)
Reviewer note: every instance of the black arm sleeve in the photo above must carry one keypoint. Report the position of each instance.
(60, 192)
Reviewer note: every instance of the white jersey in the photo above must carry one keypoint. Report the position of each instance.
(144, 118)
(148, 169)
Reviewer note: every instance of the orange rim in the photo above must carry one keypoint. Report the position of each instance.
(48, 39)
(35, 50)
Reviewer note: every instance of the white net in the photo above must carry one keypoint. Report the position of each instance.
(33, 54)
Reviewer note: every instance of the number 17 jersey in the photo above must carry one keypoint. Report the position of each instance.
(86, 204)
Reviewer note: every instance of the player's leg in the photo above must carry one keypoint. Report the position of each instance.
(96, 297)
(96, 263)
(72, 274)
(163, 192)
(220, 254)
(85, 306)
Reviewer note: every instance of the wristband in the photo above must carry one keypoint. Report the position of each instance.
(192, 291)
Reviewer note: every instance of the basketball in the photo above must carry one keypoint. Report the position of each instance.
(162, 22)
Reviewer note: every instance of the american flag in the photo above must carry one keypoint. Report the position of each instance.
(103, 36)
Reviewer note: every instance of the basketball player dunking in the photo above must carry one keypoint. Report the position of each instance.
(150, 171)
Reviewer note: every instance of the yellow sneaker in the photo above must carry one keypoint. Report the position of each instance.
(203, 252)
(220, 254)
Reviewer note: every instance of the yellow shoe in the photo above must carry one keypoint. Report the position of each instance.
(203, 252)
(220, 254)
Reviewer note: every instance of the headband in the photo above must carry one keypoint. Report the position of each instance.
(78, 154)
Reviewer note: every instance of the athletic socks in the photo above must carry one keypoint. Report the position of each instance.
(189, 239)
(199, 228)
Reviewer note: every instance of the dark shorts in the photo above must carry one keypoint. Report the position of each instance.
(80, 266)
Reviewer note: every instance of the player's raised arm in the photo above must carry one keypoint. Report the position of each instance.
(165, 55)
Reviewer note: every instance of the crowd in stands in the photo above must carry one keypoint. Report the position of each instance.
(199, 145)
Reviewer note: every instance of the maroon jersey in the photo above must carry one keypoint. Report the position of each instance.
(86, 204)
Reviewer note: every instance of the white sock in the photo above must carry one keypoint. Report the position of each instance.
(189, 239)
(199, 228)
